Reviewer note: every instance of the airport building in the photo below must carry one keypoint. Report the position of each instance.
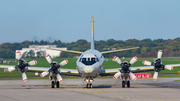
(40, 51)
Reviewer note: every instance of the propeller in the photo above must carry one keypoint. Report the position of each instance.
(158, 66)
(54, 68)
(59, 78)
(125, 67)
(117, 60)
(117, 75)
(21, 65)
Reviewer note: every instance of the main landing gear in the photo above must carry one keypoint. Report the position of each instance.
(55, 83)
(125, 82)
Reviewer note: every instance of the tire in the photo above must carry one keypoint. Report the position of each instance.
(128, 84)
(87, 85)
(123, 84)
(90, 86)
(57, 84)
(52, 84)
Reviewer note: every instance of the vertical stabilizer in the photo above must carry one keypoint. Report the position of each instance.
(92, 37)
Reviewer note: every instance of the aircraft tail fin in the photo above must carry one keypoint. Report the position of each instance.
(92, 37)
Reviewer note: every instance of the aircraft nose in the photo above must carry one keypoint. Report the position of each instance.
(88, 70)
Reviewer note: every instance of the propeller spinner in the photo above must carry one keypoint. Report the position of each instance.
(158, 66)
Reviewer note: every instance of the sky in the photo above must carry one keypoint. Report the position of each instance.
(70, 20)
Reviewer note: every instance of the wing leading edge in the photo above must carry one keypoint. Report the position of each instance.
(110, 72)
(106, 52)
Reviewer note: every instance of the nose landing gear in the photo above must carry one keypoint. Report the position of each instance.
(89, 85)
(89, 82)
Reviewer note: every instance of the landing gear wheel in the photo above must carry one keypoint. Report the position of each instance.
(52, 84)
(90, 86)
(87, 85)
(123, 84)
(57, 84)
(128, 84)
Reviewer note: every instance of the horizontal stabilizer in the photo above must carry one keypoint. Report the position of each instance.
(68, 51)
(119, 50)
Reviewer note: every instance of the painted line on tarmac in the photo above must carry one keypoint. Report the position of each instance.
(94, 93)
(119, 97)
(73, 89)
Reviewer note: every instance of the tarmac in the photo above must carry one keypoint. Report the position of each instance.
(164, 89)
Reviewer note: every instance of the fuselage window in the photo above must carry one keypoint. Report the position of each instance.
(89, 61)
(83, 60)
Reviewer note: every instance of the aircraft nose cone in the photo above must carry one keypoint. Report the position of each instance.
(88, 70)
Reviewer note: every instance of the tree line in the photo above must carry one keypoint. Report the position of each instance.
(148, 47)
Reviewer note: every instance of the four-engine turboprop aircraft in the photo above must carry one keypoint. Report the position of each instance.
(89, 65)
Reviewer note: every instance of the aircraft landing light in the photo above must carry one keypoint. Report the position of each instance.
(118, 97)
(94, 93)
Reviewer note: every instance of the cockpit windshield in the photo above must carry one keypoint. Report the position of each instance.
(89, 61)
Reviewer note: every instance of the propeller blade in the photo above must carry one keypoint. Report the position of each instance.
(43, 74)
(155, 76)
(132, 76)
(59, 78)
(63, 63)
(18, 55)
(168, 67)
(159, 54)
(117, 60)
(133, 60)
(48, 59)
(117, 75)
(24, 77)
(147, 63)
(10, 69)
(34, 62)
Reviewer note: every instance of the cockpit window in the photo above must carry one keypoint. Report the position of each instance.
(89, 61)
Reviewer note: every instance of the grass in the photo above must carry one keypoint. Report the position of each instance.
(108, 64)
(176, 80)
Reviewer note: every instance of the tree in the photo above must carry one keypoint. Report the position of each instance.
(81, 42)
(31, 54)
(25, 55)
(143, 50)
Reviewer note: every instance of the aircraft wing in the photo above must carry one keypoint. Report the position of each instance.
(119, 50)
(68, 72)
(68, 51)
(5, 66)
(110, 72)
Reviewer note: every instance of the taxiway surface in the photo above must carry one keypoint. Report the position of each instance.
(103, 90)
